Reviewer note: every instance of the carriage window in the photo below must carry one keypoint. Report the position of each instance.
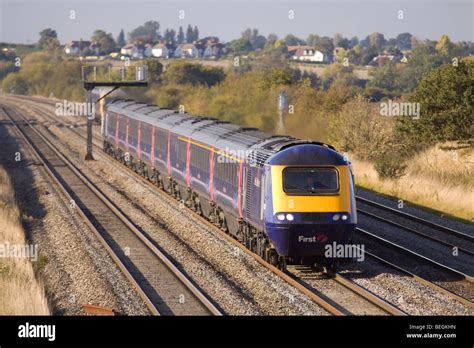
(122, 126)
(132, 131)
(182, 150)
(161, 140)
(200, 158)
(227, 170)
(310, 181)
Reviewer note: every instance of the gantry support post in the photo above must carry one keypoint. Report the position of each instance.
(90, 120)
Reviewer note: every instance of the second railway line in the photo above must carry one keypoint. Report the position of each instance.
(162, 286)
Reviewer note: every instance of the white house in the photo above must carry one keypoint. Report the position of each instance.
(127, 50)
(75, 48)
(307, 54)
(213, 50)
(189, 50)
(137, 51)
(163, 50)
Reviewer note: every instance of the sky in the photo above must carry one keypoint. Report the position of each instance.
(22, 20)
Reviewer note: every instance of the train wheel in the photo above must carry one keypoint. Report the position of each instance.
(282, 264)
(273, 258)
(330, 267)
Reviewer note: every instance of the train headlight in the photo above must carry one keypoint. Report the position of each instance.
(336, 217)
(290, 217)
(280, 217)
(344, 217)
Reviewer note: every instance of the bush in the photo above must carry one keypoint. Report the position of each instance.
(182, 73)
(390, 166)
(6, 68)
(16, 84)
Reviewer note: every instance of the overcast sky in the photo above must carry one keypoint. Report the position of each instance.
(22, 20)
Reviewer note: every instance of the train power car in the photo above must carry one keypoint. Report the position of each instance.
(286, 199)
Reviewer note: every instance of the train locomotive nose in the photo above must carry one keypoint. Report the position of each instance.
(307, 240)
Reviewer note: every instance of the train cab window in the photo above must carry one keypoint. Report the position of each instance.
(310, 181)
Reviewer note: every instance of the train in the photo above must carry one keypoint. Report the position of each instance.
(284, 198)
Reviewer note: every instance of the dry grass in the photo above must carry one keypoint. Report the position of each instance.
(440, 178)
(20, 292)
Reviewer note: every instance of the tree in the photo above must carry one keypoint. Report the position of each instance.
(340, 41)
(251, 35)
(271, 40)
(355, 55)
(170, 36)
(155, 69)
(240, 46)
(46, 37)
(384, 77)
(16, 84)
(181, 37)
(189, 34)
(403, 41)
(196, 33)
(424, 59)
(338, 74)
(210, 38)
(377, 41)
(368, 55)
(182, 73)
(323, 44)
(105, 41)
(276, 77)
(354, 41)
(444, 45)
(149, 28)
(121, 39)
(358, 128)
(292, 40)
(445, 96)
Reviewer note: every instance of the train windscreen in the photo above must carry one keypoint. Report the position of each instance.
(310, 181)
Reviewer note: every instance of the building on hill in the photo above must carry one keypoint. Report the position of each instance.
(307, 54)
(189, 50)
(213, 50)
(81, 47)
(163, 50)
(136, 51)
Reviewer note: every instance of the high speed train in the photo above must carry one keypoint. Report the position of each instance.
(286, 199)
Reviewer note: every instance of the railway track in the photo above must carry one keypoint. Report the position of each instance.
(451, 238)
(348, 300)
(455, 284)
(162, 286)
(449, 281)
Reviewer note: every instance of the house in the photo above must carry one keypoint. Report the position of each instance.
(406, 56)
(189, 50)
(306, 54)
(163, 50)
(213, 50)
(383, 58)
(127, 50)
(94, 48)
(136, 51)
(75, 48)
